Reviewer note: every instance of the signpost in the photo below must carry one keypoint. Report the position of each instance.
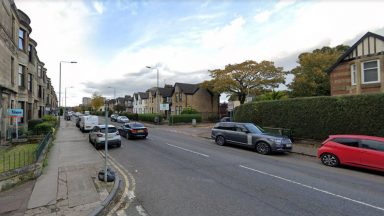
(16, 113)
(164, 106)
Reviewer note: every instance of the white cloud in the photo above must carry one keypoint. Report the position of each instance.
(98, 6)
(265, 15)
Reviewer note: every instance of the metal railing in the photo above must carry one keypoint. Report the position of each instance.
(23, 157)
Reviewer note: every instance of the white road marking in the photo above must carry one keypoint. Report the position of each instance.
(204, 155)
(314, 188)
(141, 210)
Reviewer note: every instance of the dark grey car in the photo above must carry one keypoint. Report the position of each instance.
(248, 134)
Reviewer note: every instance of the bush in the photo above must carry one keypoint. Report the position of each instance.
(150, 117)
(189, 110)
(43, 128)
(32, 123)
(318, 117)
(49, 118)
(185, 118)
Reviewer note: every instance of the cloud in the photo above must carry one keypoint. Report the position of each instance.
(98, 6)
(264, 16)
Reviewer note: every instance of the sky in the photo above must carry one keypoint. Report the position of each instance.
(114, 40)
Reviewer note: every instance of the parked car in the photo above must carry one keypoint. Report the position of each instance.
(97, 136)
(78, 120)
(114, 117)
(133, 130)
(87, 122)
(226, 119)
(251, 135)
(122, 119)
(354, 150)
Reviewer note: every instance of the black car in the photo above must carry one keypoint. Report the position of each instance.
(133, 130)
(248, 134)
(114, 117)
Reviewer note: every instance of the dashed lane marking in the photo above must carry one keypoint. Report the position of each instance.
(204, 155)
(313, 188)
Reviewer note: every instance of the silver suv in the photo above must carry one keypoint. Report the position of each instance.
(97, 136)
(248, 134)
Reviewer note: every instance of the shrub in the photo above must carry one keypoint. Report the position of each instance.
(49, 118)
(185, 118)
(318, 117)
(43, 128)
(150, 117)
(32, 123)
(189, 110)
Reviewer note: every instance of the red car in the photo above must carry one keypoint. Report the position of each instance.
(354, 150)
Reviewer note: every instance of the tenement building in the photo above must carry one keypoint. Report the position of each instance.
(24, 83)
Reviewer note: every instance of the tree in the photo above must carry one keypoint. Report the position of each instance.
(245, 78)
(119, 108)
(97, 101)
(311, 77)
(273, 95)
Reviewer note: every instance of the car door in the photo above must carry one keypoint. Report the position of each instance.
(373, 153)
(240, 135)
(348, 150)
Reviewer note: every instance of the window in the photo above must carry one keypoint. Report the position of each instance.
(372, 144)
(30, 52)
(29, 82)
(39, 71)
(12, 71)
(353, 74)
(21, 106)
(21, 76)
(180, 97)
(347, 142)
(21, 39)
(370, 72)
(40, 91)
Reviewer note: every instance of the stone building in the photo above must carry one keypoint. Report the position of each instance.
(23, 79)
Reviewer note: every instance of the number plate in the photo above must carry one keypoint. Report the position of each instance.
(140, 131)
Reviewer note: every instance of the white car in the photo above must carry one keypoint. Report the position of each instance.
(87, 122)
(97, 136)
(122, 119)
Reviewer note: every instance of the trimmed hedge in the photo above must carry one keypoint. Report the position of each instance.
(43, 128)
(318, 117)
(150, 117)
(185, 118)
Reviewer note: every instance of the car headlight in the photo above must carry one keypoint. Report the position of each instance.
(276, 140)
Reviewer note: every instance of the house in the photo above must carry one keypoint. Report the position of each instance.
(198, 98)
(159, 96)
(140, 101)
(360, 69)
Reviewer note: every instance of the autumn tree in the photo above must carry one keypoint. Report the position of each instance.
(97, 101)
(311, 77)
(249, 77)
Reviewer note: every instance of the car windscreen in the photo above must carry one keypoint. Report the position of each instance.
(110, 130)
(254, 129)
(136, 125)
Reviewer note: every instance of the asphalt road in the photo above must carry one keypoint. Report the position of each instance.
(176, 174)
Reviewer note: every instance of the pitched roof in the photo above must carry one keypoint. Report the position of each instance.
(349, 51)
(143, 95)
(187, 88)
(166, 92)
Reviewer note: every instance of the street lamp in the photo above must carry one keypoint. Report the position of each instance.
(65, 96)
(157, 96)
(70, 62)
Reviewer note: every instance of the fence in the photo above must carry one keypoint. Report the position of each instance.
(21, 157)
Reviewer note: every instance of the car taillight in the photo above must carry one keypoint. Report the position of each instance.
(99, 135)
(134, 131)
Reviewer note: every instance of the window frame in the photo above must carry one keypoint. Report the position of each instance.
(353, 74)
(21, 40)
(21, 76)
(30, 83)
(363, 71)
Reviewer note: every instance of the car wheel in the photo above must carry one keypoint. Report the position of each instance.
(330, 160)
(263, 148)
(220, 140)
(119, 145)
(145, 137)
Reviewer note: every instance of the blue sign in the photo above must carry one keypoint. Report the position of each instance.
(15, 112)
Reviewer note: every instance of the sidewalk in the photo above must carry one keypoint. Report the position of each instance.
(68, 185)
(203, 130)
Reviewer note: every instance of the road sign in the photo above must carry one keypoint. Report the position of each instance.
(15, 112)
(164, 106)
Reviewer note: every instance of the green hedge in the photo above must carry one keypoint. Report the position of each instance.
(185, 118)
(150, 117)
(43, 128)
(318, 117)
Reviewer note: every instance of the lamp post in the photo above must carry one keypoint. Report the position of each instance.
(70, 62)
(114, 97)
(157, 96)
(65, 96)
